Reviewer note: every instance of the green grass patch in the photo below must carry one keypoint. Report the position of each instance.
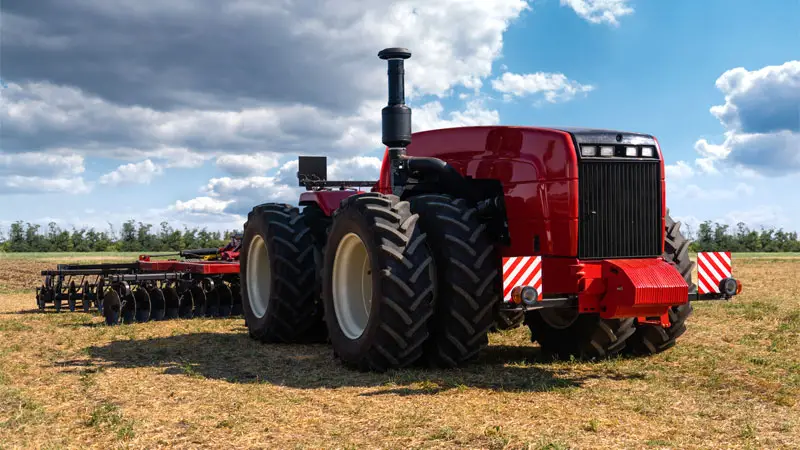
(658, 443)
(549, 445)
(753, 310)
(108, 416)
(17, 410)
(790, 322)
(443, 434)
(14, 326)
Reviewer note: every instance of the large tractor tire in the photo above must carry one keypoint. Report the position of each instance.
(378, 283)
(320, 225)
(279, 297)
(651, 339)
(468, 279)
(563, 332)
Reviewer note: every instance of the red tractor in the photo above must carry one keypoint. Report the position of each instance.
(470, 229)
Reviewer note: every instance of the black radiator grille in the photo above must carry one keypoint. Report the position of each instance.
(619, 208)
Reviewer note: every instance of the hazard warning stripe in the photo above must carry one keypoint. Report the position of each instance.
(522, 271)
(712, 267)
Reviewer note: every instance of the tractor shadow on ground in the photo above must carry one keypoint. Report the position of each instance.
(236, 358)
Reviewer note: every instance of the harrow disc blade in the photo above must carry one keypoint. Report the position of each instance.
(212, 302)
(98, 295)
(128, 309)
(171, 303)
(225, 299)
(236, 309)
(86, 296)
(186, 303)
(40, 296)
(199, 297)
(72, 296)
(157, 304)
(142, 299)
(112, 307)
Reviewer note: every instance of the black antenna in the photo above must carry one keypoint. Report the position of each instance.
(396, 115)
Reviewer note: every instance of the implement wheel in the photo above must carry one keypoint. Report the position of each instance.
(378, 283)
(468, 279)
(280, 301)
(651, 339)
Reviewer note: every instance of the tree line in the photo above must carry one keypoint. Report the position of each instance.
(140, 237)
(132, 237)
(715, 237)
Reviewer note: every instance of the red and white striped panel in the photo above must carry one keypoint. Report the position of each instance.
(712, 267)
(522, 271)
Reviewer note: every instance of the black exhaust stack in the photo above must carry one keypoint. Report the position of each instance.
(396, 116)
(397, 135)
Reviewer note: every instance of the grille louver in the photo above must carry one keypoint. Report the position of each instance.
(619, 208)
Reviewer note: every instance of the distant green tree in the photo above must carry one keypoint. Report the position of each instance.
(128, 241)
(17, 239)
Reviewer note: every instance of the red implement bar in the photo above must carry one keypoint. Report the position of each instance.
(208, 267)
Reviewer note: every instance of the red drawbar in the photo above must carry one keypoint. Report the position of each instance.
(641, 287)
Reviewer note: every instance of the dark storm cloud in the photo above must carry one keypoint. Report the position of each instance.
(44, 116)
(118, 77)
(175, 53)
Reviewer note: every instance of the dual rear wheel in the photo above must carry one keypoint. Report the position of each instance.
(402, 282)
(279, 295)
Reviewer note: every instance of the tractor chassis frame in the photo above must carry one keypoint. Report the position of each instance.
(572, 302)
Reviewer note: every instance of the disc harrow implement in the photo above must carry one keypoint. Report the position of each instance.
(205, 283)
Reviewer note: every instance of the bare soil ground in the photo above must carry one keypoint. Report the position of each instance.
(67, 381)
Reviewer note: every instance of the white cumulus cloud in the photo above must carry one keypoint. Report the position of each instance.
(432, 116)
(133, 173)
(359, 168)
(241, 165)
(554, 87)
(202, 205)
(16, 184)
(42, 172)
(600, 11)
(678, 171)
(761, 116)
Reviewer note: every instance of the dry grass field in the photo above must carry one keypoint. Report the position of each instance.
(67, 381)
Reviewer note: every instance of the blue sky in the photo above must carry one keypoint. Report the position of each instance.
(193, 113)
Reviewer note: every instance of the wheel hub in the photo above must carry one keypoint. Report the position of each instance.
(259, 276)
(352, 286)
